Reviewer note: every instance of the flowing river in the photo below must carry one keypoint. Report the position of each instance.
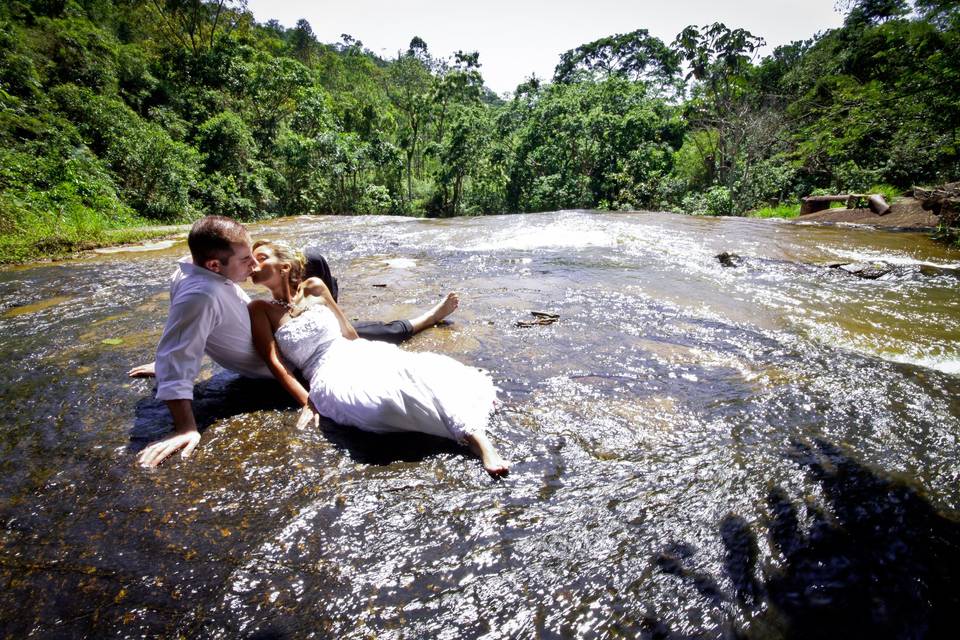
(762, 450)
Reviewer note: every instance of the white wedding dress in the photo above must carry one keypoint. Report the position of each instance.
(379, 387)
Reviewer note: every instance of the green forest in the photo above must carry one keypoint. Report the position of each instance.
(118, 114)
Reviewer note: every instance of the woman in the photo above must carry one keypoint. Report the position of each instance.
(370, 385)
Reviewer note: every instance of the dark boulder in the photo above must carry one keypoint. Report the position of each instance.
(867, 270)
(729, 259)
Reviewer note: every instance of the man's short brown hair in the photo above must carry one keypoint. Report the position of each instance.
(211, 238)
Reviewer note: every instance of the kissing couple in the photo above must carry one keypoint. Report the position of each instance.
(356, 376)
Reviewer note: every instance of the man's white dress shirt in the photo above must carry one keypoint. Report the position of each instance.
(208, 314)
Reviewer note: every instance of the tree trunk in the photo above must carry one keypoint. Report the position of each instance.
(409, 176)
(878, 205)
(943, 201)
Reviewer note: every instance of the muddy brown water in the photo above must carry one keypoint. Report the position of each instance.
(763, 451)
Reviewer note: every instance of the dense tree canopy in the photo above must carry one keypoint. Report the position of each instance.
(114, 111)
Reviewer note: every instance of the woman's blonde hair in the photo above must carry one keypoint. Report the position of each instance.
(289, 256)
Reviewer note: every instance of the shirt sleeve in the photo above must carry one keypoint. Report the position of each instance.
(180, 352)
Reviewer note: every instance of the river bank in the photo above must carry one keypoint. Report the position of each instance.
(17, 249)
(905, 214)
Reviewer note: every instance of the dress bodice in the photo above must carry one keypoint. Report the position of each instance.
(305, 339)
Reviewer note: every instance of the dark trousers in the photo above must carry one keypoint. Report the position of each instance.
(395, 332)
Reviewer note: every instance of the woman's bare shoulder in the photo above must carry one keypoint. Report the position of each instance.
(259, 306)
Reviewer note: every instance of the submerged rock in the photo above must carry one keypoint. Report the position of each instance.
(867, 270)
(931, 271)
(729, 259)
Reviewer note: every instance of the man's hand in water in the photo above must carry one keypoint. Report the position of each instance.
(160, 451)
(185, 436)
(143, 371)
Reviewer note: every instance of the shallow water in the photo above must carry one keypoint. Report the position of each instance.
(764, 451)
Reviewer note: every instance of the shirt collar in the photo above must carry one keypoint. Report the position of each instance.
(189, 269)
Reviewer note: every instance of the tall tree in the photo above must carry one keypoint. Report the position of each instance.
(720, 64)
(302, 42)
(459, 83)
(197, 25)
(637, 56)
(410, 87)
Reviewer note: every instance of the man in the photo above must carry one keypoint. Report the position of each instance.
(208, 314)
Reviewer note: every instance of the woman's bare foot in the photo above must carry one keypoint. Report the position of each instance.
(440, 311)
(495, 465)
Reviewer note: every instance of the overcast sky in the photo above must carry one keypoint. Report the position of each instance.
(517, 38)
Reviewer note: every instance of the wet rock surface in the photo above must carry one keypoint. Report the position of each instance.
(867, 270)
(762, 452)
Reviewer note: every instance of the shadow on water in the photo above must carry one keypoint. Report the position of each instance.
(227, 395)
(877, 561)
(222, 396)
(383, 449)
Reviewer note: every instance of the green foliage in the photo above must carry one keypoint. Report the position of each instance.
(637, 56)
(694, 204)
(375, 198)
(154, 172)
(771, 179)
(780, 211)
(889, 192)
(114, 113)
(694, 161)
(227, 144)
(719, 201)
(77, 51)
(579, 144)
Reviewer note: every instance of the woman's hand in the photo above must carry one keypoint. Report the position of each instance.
(308, 415)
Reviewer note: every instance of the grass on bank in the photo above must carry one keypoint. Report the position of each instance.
(30, 248)
(782, 211)
(889, 192)
(32, 233)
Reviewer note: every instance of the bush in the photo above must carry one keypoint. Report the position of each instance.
(227, 143)
(375, 199)
(18, 74)
(554, 191)
(770, 180)
(849, 177)
(888, 191)
(155, 173)
(221, 195)
(694, 203)
(81, 53)
(719, 201)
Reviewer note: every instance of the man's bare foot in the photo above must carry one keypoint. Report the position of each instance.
(143, 371)
(495, 465)
(440, 311)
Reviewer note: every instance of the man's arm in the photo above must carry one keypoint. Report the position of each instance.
(185, 436)
(179, 355)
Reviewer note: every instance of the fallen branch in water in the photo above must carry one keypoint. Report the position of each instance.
(541, 318)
